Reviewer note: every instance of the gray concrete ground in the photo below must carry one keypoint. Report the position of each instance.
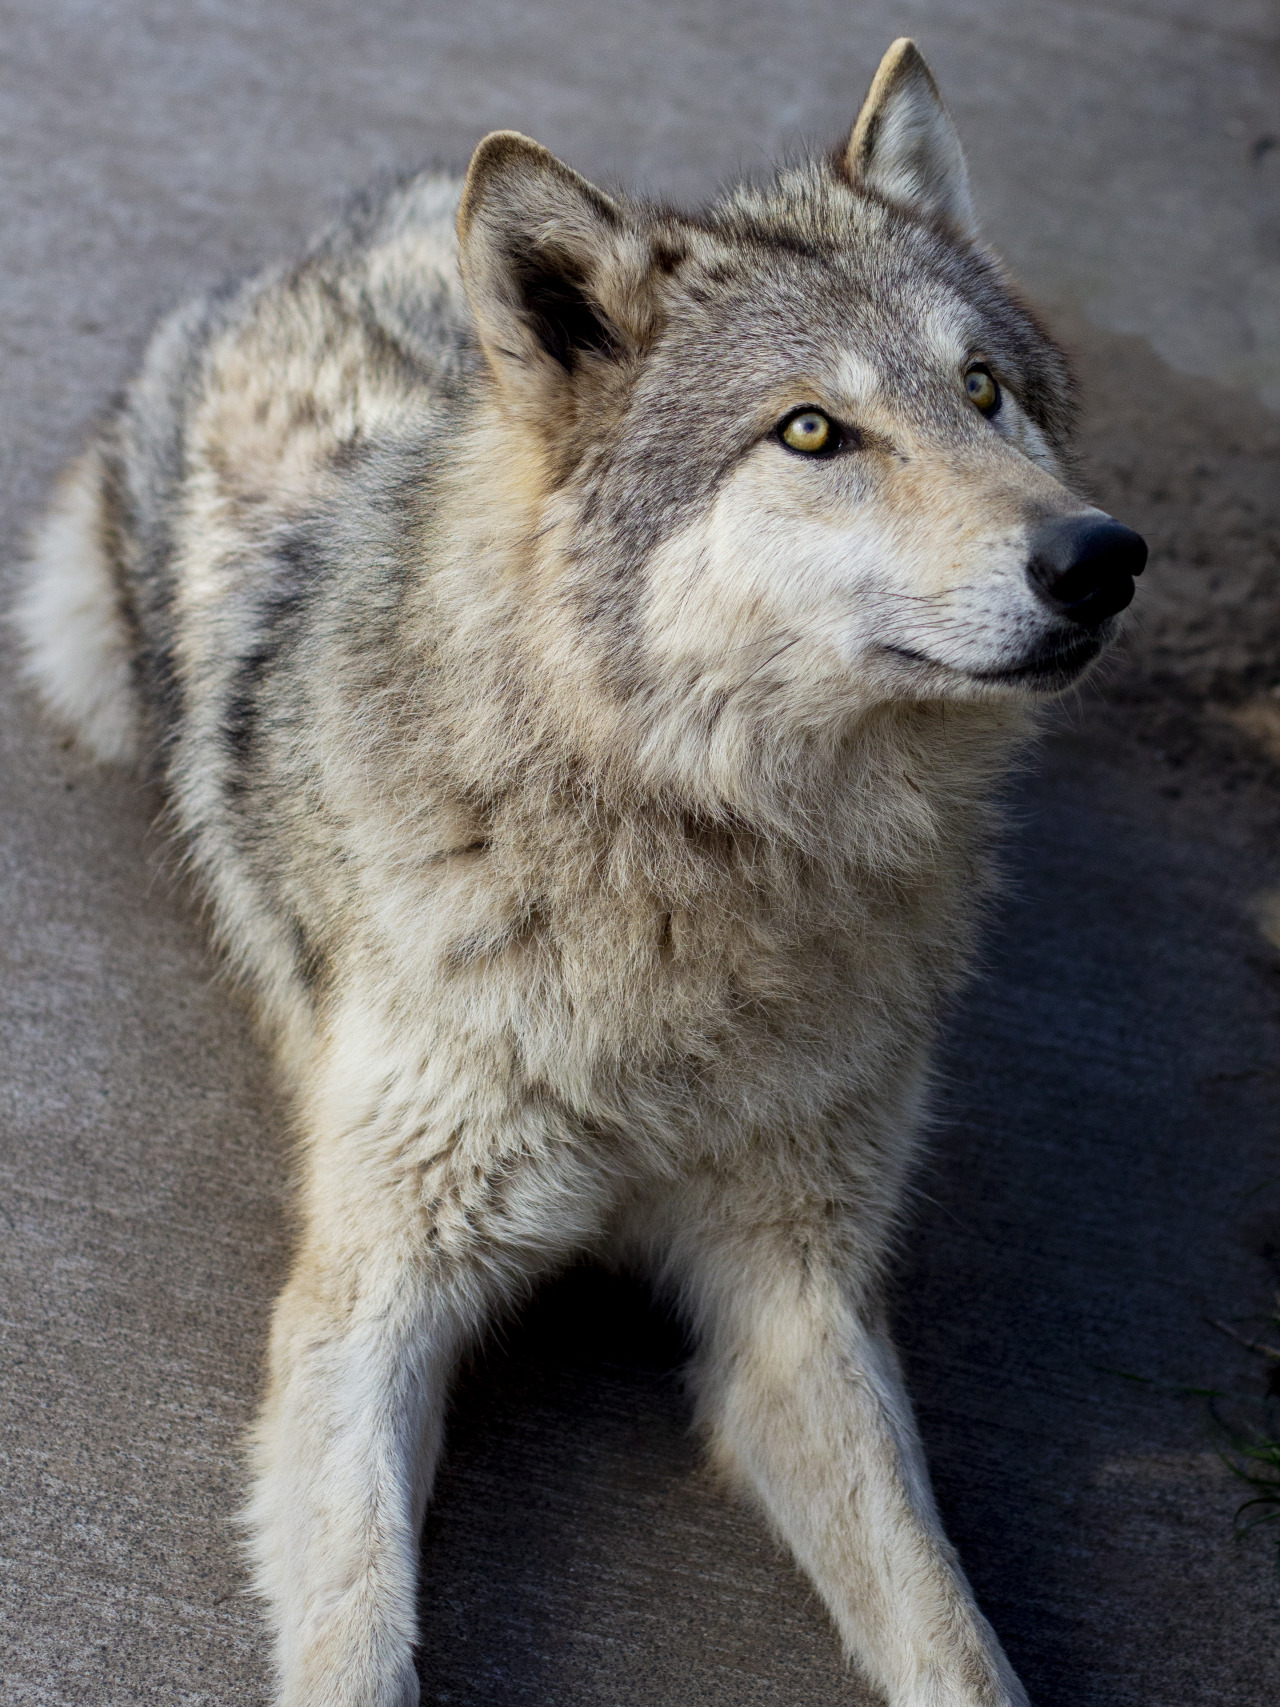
(1105, 1175)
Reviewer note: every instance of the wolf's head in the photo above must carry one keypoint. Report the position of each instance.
(802, 453)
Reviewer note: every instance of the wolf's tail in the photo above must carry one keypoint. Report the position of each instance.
(70, 616)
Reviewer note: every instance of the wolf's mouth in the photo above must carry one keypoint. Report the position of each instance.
(1054, 665)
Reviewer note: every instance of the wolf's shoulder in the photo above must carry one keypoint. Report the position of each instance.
(393, 258)
(374, 304)
(269, 387)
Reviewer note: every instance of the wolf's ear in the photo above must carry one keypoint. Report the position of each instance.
(904, 145)
(555, 272)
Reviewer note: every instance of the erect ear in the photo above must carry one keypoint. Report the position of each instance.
(556, 273)
(904, 145)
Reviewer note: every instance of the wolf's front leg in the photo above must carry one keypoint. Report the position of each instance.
(363, 1343)
(413, 1195)
(429, 1200)
(804, 1400)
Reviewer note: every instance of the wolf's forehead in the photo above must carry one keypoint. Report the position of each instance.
(874, 353)
(866, 316)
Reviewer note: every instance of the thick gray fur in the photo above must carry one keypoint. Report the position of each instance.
(591, 792)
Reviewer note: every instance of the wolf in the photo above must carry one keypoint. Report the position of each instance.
(578, 642)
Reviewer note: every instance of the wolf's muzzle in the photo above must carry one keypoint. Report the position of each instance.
(1083, 566)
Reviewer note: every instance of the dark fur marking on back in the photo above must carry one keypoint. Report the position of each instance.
(276, 630)
(116, 526)
(668, 257)
(312, 961)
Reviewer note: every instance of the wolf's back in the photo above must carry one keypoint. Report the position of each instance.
(99, 614)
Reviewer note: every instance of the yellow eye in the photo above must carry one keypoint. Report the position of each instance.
(810, 432)
(983, 391)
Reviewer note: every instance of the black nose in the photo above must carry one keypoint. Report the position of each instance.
(1084, 566)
